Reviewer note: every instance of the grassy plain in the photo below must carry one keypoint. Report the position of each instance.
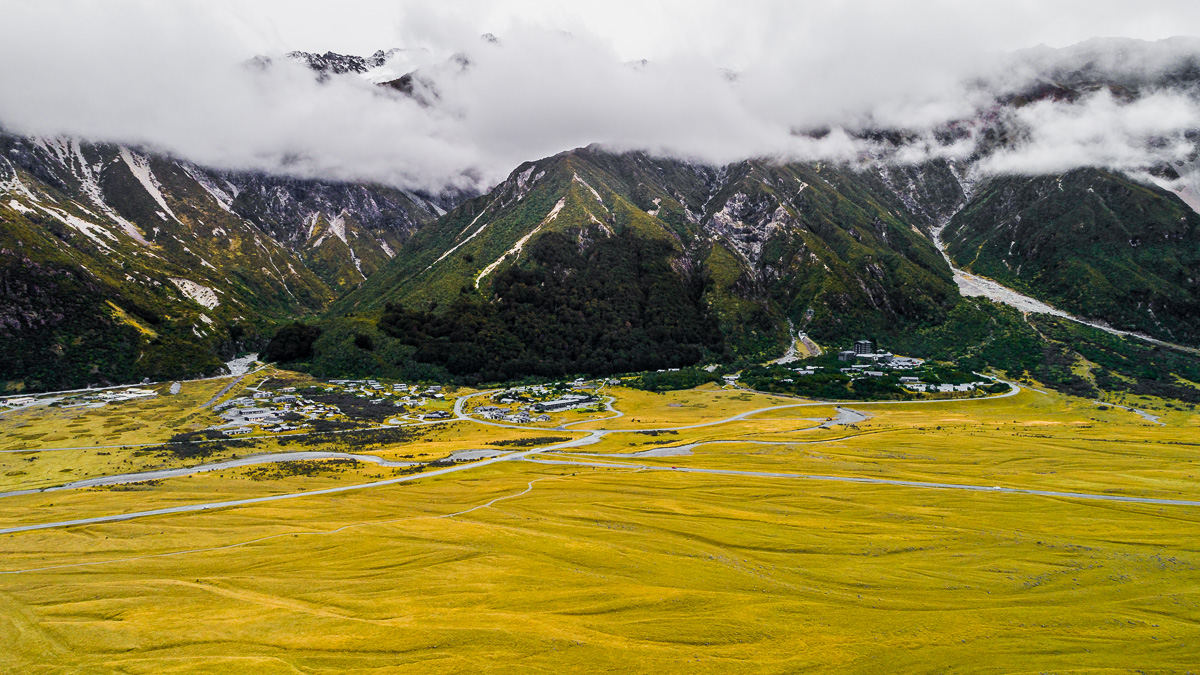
(558, 568)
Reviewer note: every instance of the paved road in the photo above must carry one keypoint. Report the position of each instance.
(233, 438)
(217, 396)
(293, 495)
(124, 386)
(608, 403)
(249, 460)
(593, 437)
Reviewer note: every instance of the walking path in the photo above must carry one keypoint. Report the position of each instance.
(249, 460)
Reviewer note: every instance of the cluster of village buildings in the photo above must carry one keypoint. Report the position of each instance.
(531, 403)
(406, 394)
(267, 409)
(865, 350)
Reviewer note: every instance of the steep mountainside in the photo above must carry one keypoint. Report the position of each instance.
(105, 249)
(1091, 242)
(117, 263)
(825, 248)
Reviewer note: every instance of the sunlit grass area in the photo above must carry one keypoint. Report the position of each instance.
(635, 568)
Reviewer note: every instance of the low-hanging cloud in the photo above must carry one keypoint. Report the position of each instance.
(1100, 131)
(172, 78)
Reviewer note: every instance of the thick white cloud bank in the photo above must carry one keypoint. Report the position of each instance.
(171, 76)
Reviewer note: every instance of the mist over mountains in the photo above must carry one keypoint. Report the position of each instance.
(475, 107)
(532, 203)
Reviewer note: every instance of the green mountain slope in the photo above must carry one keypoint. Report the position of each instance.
(122, 265)
(1091, 242)
(762, 244)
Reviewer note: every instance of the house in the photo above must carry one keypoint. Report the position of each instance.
(436, 415)
(24, 400)
(286, 398)
(243, 415)
(909, 378)
(873, 373)
(262, 394)
(238, 431)
(567, 402)
(542, 418)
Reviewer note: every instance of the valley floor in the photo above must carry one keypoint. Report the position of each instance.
(710, 530)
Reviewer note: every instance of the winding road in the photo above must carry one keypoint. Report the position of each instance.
(847, 416)
(249, 460)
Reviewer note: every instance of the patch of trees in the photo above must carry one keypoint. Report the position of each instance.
(357, 408)
(196, 445)
(979, 334)
(530, 442)
(833, 386)
(684, 378)
(355, 441)
(293, 342)
(301, 467)
(619, 306)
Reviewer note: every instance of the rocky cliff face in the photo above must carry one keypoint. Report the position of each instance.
(208, 257)
(819, 246)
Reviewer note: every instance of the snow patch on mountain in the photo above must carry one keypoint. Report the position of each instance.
(91, 230)
(473, 235)
(595, 194)
(140, 167)
(222, 198)
(516, 249)
(198, 293)
(337, 225)
(68, 153)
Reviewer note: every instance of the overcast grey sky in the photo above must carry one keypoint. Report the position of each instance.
(734, 33)
(165, 73)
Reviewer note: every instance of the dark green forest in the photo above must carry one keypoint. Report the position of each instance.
(618, 307)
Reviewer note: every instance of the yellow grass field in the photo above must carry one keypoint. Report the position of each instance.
(519, 566)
